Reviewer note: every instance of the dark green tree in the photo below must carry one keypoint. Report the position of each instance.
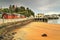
(6, 10)
(22, 8)
(19, 10)
(16, 9)
(29, 12)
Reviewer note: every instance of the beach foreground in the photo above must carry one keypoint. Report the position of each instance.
(34, 31)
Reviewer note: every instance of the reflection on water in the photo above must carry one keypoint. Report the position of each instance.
(54, 21)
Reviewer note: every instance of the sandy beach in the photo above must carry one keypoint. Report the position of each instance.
(34, 31)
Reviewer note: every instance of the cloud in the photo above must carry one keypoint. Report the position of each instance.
(51, 7)
(49, 13)
(46, 7)
(36, 5)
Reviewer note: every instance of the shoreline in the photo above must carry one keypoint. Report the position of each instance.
(34, 31)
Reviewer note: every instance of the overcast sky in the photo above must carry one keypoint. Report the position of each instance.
(38, 6)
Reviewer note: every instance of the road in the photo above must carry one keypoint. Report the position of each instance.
(35, 30)
(11, 20)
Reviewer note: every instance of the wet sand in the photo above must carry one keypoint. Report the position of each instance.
(34, 31)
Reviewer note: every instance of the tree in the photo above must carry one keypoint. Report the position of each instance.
(22, 8)
(16, 9)
(32, 13)
(29, 12)
(12, 8)
(6, 10)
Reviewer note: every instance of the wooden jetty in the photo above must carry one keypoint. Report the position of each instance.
(41, 19)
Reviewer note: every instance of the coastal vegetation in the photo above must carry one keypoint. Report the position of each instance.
(19, 10)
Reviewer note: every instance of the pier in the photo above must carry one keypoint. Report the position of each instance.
(41, 19)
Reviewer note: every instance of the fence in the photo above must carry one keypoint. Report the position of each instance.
(11, 20)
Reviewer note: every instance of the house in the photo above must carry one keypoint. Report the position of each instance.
(12, 16)
(40, 15)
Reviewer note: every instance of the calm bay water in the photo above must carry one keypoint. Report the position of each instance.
(54, 21)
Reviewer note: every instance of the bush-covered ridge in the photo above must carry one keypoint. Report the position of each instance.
(19, 10)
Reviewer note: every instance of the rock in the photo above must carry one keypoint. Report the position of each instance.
(44, 35)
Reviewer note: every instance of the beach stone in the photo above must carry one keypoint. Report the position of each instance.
(14, 33)
(44, 35)
(1, 37)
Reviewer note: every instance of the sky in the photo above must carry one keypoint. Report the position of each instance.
(38, 6)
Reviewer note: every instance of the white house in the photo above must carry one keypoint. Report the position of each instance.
(40, 15)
